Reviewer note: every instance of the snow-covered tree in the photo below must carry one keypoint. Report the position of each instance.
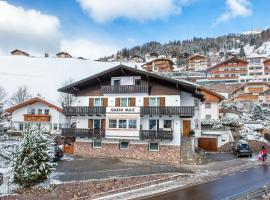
(66, 99)
(32, 158)
(257, 113)
(21, 95)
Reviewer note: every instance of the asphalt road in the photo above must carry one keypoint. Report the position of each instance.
(221, 188)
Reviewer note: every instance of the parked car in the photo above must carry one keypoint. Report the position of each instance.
(58, 153)
(242, 148)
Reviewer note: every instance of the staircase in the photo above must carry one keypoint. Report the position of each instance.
(188, 154)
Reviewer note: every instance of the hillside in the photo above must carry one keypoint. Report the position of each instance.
(250, 41)
(45, 75)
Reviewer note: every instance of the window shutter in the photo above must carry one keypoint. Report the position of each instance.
(146, 101)
(133, 101)
(117, 102)
(90, 123)
(91, 102)
(103, 123)
(105, 102)
(162, 101)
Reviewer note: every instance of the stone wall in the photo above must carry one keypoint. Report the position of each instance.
(166, 153)
(94, 188)
(255, 145)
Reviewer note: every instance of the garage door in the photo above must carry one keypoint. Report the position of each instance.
(208, 144)
(68, 148)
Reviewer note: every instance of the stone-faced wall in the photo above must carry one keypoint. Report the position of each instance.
(166, 153)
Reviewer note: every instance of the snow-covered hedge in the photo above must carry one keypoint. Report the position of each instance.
(220, 123)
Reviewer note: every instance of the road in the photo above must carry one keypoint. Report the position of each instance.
(221, 188)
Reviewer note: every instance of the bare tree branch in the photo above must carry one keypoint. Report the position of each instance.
(21, 95)
(67, 99)
(3, 95)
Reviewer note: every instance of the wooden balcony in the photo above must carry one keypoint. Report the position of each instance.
(156, 135)
(81, 132)
(36, 118)
(122, 89)
(182, 111)
(84, 111)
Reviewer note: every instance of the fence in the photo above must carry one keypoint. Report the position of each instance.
(257, 193)
(7, 187)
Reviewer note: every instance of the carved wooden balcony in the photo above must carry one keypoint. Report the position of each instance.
(123, 89)
(37, 118)
(156, 135)
(83, 132)
(84, 111)
(182, 111)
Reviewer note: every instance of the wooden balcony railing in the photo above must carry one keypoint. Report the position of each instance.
(82, 132)
(124, 89)
(182, 111)
(37, 118)
(84, 110)
(156, 135)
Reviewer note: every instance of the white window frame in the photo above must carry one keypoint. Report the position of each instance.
(46, 110)
(32, 109)
(171, 124)
(207, 103)
(19, 127)
(128, 99)
(120, 147)
(207, 117)
(39, 110)
(122, 120)
(94, 123)
(135, 123)
(115, 79)
(94, 142)
(100, 102)
(116, 124)
(157, 124)
(149, 145)
(157, 101)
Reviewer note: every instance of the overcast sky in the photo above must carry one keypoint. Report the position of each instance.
(94, 28)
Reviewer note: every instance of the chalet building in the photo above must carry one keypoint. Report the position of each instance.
(63, 55)
(228, 70)
(37, 111)
(18, 52)
(196, 63)
(124, 112)
(210, 106)
(159, 65)
(137, 58)
(266, 64)
(254, 92)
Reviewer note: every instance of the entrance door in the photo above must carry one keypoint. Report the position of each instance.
(186, 128)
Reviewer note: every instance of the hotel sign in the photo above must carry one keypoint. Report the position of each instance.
(131, 110)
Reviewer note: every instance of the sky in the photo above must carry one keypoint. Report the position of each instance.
(96, 28)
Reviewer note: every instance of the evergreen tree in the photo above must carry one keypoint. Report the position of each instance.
(242, 53)
(257, 113)
(32, 158)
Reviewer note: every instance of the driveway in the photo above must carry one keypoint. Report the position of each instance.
(85, 168)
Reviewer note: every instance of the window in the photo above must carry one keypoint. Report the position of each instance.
(123, 145)
(20, 126)
(154, 101)
(112, 123)
(46, 111)
(167, 124)
(122, 123)
(153, 146)
(138, 81)
(97, 124)
(207, 105)
(207, 116)
(153, 124)
(97, 102)
(40, 111)
(97, 143)
(132, 123)
(54, 126)
(33, 111)
(60, 126)
(125, 102)
(116, 82)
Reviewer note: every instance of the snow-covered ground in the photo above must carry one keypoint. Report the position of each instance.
(45, 75)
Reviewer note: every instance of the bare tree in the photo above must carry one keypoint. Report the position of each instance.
(66, 99)
(3, 95)
(21, 95)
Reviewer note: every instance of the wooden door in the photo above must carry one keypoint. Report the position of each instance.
(69, 148)
(186, 128)
(208, 144)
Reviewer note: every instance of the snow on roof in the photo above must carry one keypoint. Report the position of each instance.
(45, 75)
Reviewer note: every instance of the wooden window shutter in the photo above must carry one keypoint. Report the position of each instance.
(146, 101)
(103, 123)
(91, 102)
(90, 123)
(105, 102)
(117, 102)
(162, 101)
(133, 101)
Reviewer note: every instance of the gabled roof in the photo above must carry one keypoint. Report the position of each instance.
(266, 60)
(234, 59)
(32, 101)
(20, 51)
(159, 59)
(220, 97)
(249, 83)
(75, 87)
(137, 56)
(62, 52)
(197, 55)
